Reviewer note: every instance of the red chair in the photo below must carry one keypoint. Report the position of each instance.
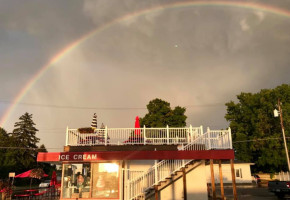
(22, 196)
(39, 195)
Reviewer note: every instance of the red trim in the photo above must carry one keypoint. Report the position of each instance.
(133, 155)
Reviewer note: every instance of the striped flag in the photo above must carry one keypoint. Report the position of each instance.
(94, 122)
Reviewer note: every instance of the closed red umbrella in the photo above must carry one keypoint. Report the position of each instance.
(53, 180)
(137, 126)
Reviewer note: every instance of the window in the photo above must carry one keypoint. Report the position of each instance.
(239, 173)
(105, 180)
(76, 181)
(96, 180)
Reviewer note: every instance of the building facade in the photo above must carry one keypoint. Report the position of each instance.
(139, 163)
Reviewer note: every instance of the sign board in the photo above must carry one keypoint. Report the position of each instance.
(11, 174)
(133, 155)
(78, 157)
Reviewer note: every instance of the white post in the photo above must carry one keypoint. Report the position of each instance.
(144, 133)
(191, 133)
(167, 130)
(128, 186)
(230, 138)
(66, 138)
(201, 130)
(183, 162)
(106, 135)
(208, 137)
(156, 176)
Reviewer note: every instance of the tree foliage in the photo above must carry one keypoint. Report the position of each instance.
(24, 137)
(19, 149)
(255, 130)
(160, 114)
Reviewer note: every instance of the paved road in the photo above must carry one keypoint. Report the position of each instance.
(248, 192)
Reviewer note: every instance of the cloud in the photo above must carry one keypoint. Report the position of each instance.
(244, 25)
(221, 52)
(252, 20)
(260, 15)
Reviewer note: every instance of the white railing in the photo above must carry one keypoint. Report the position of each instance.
(125, 136)
(212, 139)
(283, 176)
(218, 139)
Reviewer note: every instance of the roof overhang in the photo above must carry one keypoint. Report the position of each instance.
(134, 155)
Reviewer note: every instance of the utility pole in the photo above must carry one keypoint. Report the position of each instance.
(276, 113)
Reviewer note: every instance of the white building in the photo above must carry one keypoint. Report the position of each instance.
(139, 163)
(242, 172)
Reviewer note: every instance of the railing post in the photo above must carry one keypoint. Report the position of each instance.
(183, 161)
(155, 174)
(167, 131)
(66, 138)
(106, 135)
(144, 134)
(191, 133)
(201, 130)
(230, 138)
(208, 137)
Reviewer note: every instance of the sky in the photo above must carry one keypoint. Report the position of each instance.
(130, 52)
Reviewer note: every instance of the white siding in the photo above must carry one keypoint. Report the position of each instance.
(243, 169)
(195, 183)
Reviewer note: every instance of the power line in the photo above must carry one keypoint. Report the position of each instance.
(255, 140)
(104, 108)
(240, 141)
(25, 148)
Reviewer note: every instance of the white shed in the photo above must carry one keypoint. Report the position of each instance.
(242, 172)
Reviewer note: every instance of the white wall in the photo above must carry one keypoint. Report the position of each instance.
(243, 168)
(195, 183)
(140, 165)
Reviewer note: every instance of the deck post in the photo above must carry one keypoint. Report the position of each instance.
(155, 173)
(123, 180)
(212, 180)
(230, 138)
(184, 184)
(156, 192)
(66, 137)
(191, 133)
(221, 180)
(144, 134)
(208, 137)
(234, 180)
(167, 132)
(106, 135)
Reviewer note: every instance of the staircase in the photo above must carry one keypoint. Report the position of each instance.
(171, 179)
(166, 172)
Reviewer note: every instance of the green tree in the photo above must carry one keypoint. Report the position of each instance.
(4, 144)
(24, 138)
(255, 130)
(160, 114)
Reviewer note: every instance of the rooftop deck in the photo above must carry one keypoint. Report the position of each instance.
(211, 139)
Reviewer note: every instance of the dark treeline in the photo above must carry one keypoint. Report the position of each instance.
(19, 148)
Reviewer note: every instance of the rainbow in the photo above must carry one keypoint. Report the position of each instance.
(78, 42)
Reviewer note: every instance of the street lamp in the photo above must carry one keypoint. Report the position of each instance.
(276, 114)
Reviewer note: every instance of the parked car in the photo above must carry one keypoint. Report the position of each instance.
(257, 179)
(280, 188)
(44, 184)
